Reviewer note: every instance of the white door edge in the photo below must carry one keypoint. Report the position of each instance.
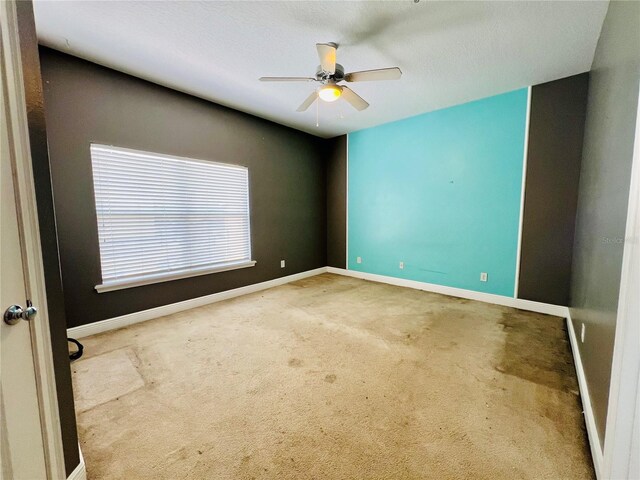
(623, 414)
(30, 239)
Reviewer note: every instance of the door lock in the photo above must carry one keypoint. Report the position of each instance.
(15, 313)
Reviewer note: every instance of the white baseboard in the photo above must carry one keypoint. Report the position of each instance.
(80, 472)
(557, 310)
(589, 419)
(144, 315)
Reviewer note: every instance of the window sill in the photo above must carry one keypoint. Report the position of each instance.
(167, 277)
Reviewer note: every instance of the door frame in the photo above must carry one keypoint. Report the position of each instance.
(20, 153)
(623, 415)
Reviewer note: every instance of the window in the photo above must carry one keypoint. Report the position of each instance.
(161, 217)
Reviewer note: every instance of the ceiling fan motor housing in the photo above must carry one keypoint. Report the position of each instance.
(325, 77)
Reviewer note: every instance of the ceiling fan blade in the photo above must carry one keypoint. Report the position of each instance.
(307, 103)
(287, 79)
(327, 54)
(354, 99)
(393, 73)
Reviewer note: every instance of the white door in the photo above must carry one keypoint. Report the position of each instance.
(29, 424)
(19, 396)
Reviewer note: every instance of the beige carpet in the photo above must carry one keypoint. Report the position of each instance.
(333, 378)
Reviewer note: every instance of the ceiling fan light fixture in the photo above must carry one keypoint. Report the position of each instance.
(330, 93)
(329, 74)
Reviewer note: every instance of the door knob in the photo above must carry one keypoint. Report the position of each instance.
(15, 313)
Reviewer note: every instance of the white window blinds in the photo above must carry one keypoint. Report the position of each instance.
(162, 217)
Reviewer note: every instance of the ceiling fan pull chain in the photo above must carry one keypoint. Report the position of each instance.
(317, 113)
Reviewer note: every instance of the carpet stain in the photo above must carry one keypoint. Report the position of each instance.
(295, 362)
(537, 349)
(331, 378)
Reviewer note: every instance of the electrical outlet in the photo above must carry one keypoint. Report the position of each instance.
(401, 265)
(358, 259)
(282, 263)
(484, 277)
(582, 331)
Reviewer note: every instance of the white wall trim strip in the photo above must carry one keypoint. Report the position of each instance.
(522, 191)
(590, 421)
(80, 472)
(557, 310)
(144, 315)
(346, 203)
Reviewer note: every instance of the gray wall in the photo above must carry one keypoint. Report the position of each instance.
(556, 130)
(603, 195)
(336, 158)
(48, 236)
(87, 103)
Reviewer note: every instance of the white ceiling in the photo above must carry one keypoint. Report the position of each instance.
(449, 52)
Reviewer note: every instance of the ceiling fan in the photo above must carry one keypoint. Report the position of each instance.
(330, 73)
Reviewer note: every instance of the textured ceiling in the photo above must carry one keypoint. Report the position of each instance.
(449, 52)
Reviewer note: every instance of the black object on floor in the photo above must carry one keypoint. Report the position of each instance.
(77, 354)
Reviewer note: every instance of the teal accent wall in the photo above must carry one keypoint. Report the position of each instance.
(441, 192)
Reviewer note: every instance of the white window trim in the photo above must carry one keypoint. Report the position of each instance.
(167, 277)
